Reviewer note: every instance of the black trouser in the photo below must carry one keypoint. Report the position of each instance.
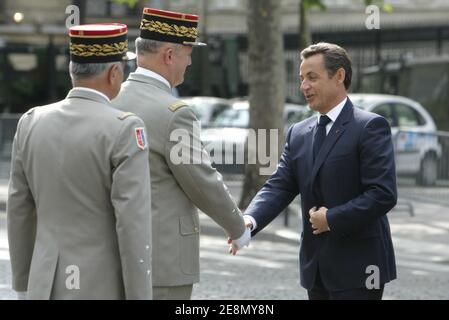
(319, 292)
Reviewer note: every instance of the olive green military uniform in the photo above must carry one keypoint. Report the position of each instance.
(79, 208)
(177, 189)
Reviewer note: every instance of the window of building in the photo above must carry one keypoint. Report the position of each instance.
(23, 61)
(107, 8)
(228, 4)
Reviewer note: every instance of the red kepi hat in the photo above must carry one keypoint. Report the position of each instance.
(99, 43)
(168, 26)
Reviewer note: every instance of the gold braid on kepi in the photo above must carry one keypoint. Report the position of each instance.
(99, 50)
(99, 43)
(169, 29)
(168, 26)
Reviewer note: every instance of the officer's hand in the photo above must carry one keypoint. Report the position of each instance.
(237, 244)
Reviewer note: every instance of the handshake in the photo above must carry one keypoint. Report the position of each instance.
(236, 244)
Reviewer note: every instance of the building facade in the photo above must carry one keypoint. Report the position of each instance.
(33, 40)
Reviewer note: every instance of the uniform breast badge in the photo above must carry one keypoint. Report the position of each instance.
(141, 139)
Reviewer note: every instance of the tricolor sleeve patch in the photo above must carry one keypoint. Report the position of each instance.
(141, 138)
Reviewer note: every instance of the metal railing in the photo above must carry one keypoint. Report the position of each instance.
(8, 125)
(422, 163)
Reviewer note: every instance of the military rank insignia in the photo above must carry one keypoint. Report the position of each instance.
(141, 139)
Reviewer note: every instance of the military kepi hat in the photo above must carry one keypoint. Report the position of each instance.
(99, 43)
(168, 26)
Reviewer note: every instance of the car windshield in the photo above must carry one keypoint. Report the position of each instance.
(206, 110)
(361, 102)
(200, 109)
(238, 118)
(307, 113)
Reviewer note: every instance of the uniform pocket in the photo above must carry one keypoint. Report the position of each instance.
(190, 244)
(188, 225)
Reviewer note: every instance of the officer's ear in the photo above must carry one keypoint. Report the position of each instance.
(115, 73)
(340, 75)
(169, 53)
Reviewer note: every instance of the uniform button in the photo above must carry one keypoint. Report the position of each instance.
(148, 271)
(141, 261)
(147, 247)
(196, 229)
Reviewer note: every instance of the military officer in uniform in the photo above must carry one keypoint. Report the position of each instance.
(79, 208)
(163, 53)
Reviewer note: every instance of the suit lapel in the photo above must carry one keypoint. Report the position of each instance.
(309, 146)
(333, 136)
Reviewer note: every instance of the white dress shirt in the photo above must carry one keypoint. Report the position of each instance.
(93, 91)
(153, 75)
(333, 114)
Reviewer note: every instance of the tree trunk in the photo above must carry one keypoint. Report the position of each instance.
(204, 52)
(266, 84)
(305, 39)
(82, 7)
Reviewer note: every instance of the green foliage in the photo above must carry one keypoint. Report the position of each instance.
(386, 7)
(308, 4)
(130, 3)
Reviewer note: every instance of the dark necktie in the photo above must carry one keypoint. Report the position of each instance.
(320, 135)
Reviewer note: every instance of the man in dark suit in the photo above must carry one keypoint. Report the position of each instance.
(341, 162)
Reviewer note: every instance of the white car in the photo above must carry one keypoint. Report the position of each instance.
(228, 133)
(414, 134)
(417, 149)
(207, 109)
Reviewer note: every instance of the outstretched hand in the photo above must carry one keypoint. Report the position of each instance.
(237, 244)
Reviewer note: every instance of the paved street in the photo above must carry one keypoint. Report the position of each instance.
(268, 269)
(5, 268)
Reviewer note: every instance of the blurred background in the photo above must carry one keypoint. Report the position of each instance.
(407, 56)
(33, 46)
(400, 71)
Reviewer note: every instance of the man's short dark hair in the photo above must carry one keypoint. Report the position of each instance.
(335, 57)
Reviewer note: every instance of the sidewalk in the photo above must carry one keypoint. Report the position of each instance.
(3, 194)
(5, 267)
(268, 268)
(218, 269)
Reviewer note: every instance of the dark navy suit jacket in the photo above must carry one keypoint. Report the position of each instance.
(354, 177)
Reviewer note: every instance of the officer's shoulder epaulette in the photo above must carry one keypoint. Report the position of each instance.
(125, 115)
(178, 104)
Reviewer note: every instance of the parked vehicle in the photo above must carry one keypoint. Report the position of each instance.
(228, 133)
(417, 149)
(416, 143)
(423, 79)
(207, 108)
